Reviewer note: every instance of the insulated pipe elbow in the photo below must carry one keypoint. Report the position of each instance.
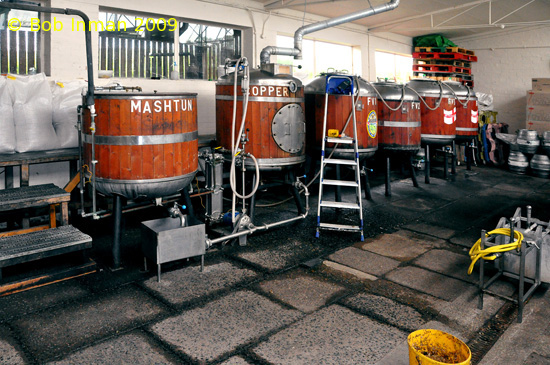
(299, 35)
(270, 50)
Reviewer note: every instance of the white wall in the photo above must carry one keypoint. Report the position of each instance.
(507, 61)
(68, 60)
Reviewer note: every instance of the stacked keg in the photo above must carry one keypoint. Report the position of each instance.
(527, 145)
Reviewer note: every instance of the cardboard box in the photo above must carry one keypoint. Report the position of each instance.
(538, 98)
(541, 84)
(539, 113)
(538, 126)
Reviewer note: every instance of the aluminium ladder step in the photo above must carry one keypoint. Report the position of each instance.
(41, 244)
(344, 205)
(339, 227)
(340, 183)
(343, 140)
(339, 161)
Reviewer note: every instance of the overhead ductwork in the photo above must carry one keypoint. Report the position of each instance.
(301, 32)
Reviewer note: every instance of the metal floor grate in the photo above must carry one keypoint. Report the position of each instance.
(27, 194)
(41, 241)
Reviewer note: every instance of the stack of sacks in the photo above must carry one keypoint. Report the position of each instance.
(7, 126)
(67, 96)
(32, 113)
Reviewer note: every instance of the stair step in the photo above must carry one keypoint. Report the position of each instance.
(340, 227)
(32, 196)
(339, 161)
(340, 183)
(332, 204)
(343, 140)
(41, 244)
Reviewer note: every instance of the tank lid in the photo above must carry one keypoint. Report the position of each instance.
(429, 87)
(259, 77)
(460, 90)
(394, 92)
(318, 85)
(118, 94)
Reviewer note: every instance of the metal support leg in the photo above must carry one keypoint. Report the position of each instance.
(469, 154)
(338, 190)
(252, 202)
(413, 173)
(481, 271)
(202, 263)
(158, 273)
(188, 204)
(445, 163)
(388, 176)
(427, 167)
(453, 159)
(521, 290)
(117, 230)
(365, 174)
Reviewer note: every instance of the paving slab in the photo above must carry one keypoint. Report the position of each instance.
(467, 238)
(301, 291)
(52, 333)
(332, 335)
(346, 270)
(520, 339)
(402, 245)
(536, 359)
(280, 256)
(184, 285)
(464, 314)
(222, 325)
(133, 348)
(448, 263)
(29, 301)
(385, 310)
(428, 282)
(400, 354)
(235, 360)
(365, 261)
(8, 353)
(431, 229)
(420, 203)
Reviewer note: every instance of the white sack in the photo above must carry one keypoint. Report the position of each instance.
(484, 101)
(32, 113)
(67, 96)
(7, 126)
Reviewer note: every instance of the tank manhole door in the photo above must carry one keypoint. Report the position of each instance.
(289, 128)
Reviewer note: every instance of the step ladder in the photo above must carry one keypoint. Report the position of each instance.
(28, 244)
(354, 162)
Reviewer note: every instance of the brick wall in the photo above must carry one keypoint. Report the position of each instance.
(507, 61)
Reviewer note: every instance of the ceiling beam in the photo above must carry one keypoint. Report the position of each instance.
(281, 4)
(407, 19)
(518, 9)
(477, 26)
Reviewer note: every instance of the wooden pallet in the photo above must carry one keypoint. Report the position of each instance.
(444, 56)
(444, 62)
(445, 50)
(442, 69)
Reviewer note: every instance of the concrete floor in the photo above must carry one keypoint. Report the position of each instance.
(289, 298)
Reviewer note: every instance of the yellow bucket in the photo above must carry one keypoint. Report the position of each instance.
(433, 347)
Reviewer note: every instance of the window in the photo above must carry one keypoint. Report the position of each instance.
(393, 66)
(144, 47)
(19, 49)
(318, 57)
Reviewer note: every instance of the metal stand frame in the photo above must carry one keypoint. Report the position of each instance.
(527, 247)
(388, 173)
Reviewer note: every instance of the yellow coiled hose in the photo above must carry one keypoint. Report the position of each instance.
(488, 253)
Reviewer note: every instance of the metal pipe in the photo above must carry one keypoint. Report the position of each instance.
(302, 31)
(265, 227)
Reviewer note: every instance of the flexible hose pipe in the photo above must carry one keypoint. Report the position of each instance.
(489, 253)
